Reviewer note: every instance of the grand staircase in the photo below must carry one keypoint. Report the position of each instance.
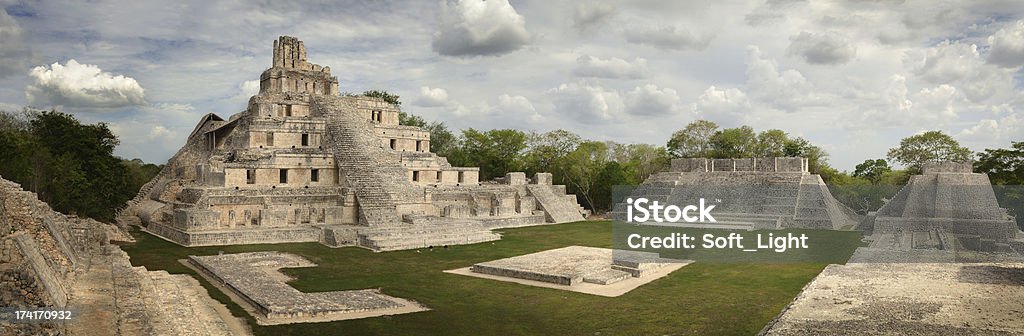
(376, 174)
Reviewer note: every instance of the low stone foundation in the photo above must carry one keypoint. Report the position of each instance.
(590, 270)
(254, 280)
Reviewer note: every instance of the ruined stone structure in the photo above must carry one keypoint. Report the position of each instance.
(303, 164)
(750, 193)
(937, 215)
(253, 278)
(51, 260)
(584, 269)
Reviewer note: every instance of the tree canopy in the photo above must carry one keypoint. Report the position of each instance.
(930, 146)
(68, 164)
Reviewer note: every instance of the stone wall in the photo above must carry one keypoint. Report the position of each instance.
(50, 260)
(771, 164)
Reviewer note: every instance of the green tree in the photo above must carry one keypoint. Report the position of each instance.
(737, 142)
(545, 149)
(407, 119)
(611, 175)
(644, 160)
(931, 146)
(1003, 166)
(385, 95)
(496, 152)
(817, 158)
(873, 170)
(693, 141)
(771, 143)
(581, 169)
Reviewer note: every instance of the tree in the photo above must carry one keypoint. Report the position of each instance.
(931, 146)
(546, 148)
(1003, 166)
(817, 158)
(771, 143)
(385, 95)
(611, 175)
(407, 119)
(582, 168)
(68, 164)
(734, 142)
(872, 170)
(442, 141)
(496, 152)
(643, 160)
(692, 141)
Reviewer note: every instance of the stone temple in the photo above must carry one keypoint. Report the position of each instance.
(946, 208)
(304, 164)
(749, 193)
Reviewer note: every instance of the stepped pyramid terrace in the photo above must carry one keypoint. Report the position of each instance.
(748, 193)
(946, 208)
(304, 164)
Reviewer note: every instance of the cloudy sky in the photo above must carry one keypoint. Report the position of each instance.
(851, 76)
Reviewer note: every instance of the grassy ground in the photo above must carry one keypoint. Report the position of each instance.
(699, 299)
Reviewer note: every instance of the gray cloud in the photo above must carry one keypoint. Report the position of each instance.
(828, 48)
(668, 37)
(1007, 46)
(617, 68)
(480, 28)
(590, 15)
(14, 52)
(649, 101)
(586, 104)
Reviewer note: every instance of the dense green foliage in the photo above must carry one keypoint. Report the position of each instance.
(1005, 168)
(929, 146)
(703, 298)
(67, 164)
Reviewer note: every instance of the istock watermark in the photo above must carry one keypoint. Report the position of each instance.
(670, 213)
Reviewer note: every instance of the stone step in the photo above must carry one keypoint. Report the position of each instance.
(607, 277)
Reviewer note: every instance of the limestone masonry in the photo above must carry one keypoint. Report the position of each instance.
(50, 260)
(303, 164)
(254, 279)
(751, 193)
(946, 208)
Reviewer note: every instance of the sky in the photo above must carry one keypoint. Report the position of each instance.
(853, 77)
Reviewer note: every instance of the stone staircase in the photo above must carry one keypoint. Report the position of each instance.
(374, 172)
(406, 237)
(558, 206)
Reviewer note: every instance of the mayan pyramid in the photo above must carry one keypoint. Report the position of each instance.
(304, 164)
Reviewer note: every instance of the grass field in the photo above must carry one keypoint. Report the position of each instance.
(699, 299)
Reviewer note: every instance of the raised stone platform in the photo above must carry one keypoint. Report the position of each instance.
(590, 270)
(908, 299)
(253, 280)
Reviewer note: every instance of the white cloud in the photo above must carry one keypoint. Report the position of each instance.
(246, 90)
(827, 48)
(649, 101)
(960, 64)
(727, 105)
(431, 97)
(668, 37)
(590, 66)
(786, 90)
(1007, 46)
(480, 28)
(586, 104)
(591, 15)
(517, 107)
(15, 52)
(82, 85)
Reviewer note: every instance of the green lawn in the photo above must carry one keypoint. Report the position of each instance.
(699, 299)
